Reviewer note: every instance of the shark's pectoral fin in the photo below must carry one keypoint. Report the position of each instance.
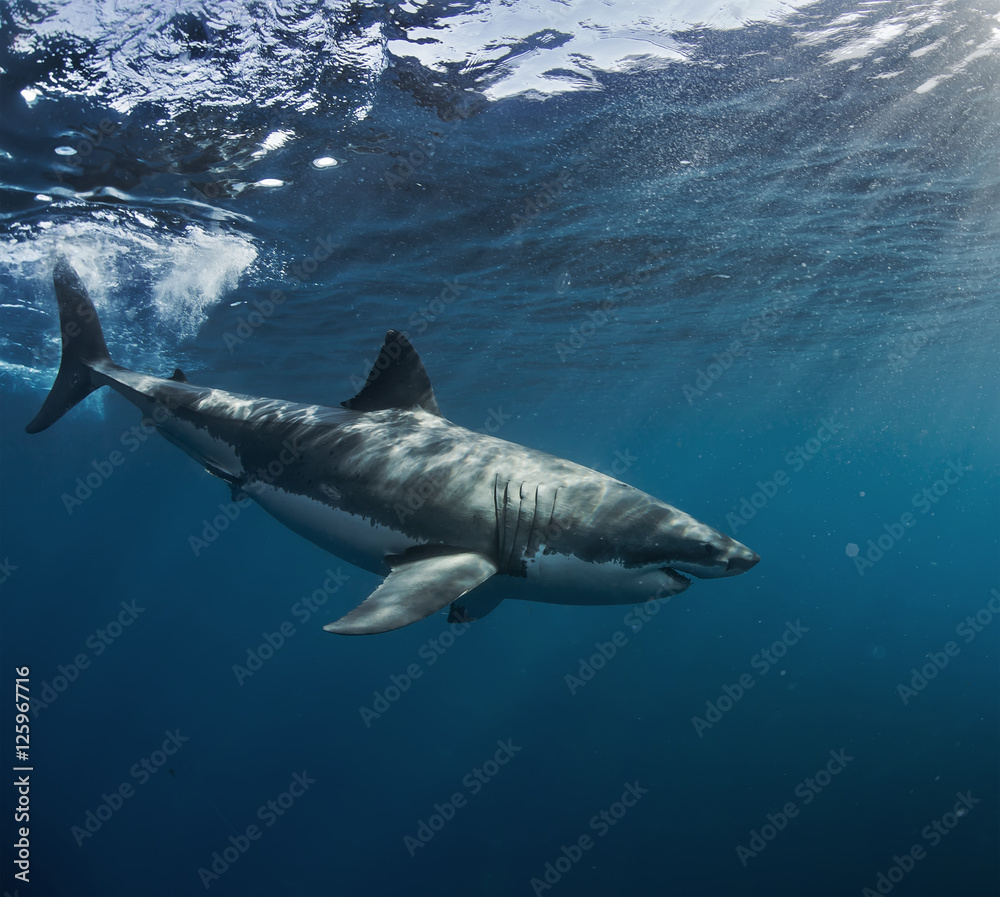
(414, 589)
(473, 607)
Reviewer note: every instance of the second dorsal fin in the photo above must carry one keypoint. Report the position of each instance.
(396, 380)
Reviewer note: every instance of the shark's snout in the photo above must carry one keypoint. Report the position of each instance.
(742, 562)
(708, 554)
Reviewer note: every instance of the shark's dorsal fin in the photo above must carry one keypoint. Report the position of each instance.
(396, 380)
(178, 376)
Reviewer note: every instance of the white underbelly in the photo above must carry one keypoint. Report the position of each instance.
(353, 538)
(216, 454)
(566, 579)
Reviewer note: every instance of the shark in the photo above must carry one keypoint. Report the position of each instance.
(450, 517)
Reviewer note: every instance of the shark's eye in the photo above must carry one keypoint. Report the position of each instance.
(708, 548)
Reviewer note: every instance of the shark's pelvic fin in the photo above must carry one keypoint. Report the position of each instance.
(396, 380)
(472, 607)
(420, 583)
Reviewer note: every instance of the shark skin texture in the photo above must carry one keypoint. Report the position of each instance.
(449, 516)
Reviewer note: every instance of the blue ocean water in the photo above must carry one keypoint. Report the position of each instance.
(744, 257)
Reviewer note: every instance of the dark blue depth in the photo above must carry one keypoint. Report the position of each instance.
(760, 284)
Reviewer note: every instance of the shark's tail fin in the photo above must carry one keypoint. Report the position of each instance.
(83, 346)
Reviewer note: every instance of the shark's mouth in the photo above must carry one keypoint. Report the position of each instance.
(675, 576)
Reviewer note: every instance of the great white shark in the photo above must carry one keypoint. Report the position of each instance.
(447, 515)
